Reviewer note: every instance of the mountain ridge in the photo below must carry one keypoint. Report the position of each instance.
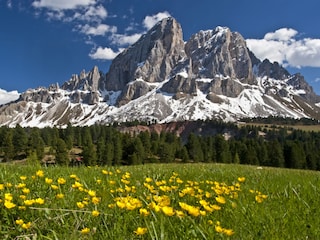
(162, 78)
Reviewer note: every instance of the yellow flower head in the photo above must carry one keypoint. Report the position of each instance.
(80, 205)
(95, 213)
(60, 195)
(23, 178)
(140, 231)
(221, 199)
(28, 202)
(241, 179)
(148, 180)
(26, 190)
(92, 193)
(95, 200)
(169, 211)
(8, 197)
(73, 176)
(19, 221)
(48, 180)
(144, 212)
(39, 201)
(85, 230)
(9, 204)
(26, 225)
(40, 173)
(61, 181)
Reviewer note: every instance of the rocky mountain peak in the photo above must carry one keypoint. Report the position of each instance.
(220, 52)
(91, 81)
(150, 59)
(161, 78)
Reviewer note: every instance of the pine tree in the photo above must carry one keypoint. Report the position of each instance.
(109, 153)
(117, 149)
(101, 151)
(8, 147)
(20, 140)
(194, 148)
(62, 156)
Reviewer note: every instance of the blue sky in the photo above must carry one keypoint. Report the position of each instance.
(46, 41)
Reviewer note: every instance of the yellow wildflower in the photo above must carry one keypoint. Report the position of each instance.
(169, 211)
(228, 232)
(23, 178)
(85, 230)
(40, 173)
(241, 179)
(92, 193)
(144, 212)
(19, 221)
(95, 213)
(80, 205)
(95, 200)
(21, 185)
(54, 187)
(180, 213)
(221, 199)
(9, 204)
(60, 195)
(48, 180)
(8, 197)
(26, 190)
(23, 197)
(1, 186)
(39, 201)
(73, 176)
(26, 225)
(148, 180)
(140, 231)
(28, 202)
(61, 181)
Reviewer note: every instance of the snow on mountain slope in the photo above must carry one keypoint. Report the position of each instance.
(162, 78)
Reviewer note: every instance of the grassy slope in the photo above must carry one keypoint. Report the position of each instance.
(291, 210)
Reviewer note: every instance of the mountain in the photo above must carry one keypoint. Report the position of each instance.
(161, 78)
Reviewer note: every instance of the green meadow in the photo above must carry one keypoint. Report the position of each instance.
(159, 201)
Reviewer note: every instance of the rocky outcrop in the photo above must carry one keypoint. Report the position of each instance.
(150, 59)
(93, 81)
(220, 52)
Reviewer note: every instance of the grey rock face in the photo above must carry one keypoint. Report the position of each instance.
(151, 58)
(220, 52)
(91, 81)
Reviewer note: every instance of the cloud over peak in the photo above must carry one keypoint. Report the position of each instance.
(283, 46)
(6, 97)
(150, 21)
(62, 4)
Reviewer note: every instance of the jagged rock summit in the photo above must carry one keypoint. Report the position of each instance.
(162, 78)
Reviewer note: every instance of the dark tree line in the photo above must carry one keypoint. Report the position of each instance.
(106, 145)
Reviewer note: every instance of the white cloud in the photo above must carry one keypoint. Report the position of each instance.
(99, 30)
(62, 4)
(150, 21)
(282, 34)
(6, 97)
(121, 39)
(317, 79)
(283, 47)
(9, 4)
(104, 53)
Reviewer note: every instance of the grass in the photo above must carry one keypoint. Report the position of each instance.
(157, 201)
